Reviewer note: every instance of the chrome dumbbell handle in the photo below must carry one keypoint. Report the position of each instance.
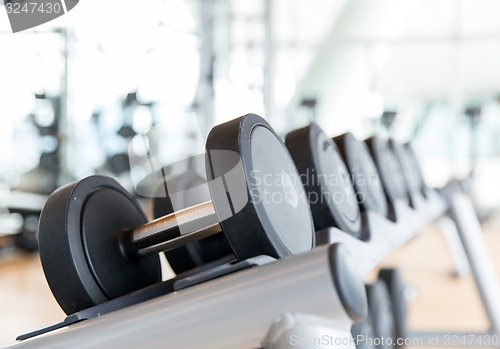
(175, 230)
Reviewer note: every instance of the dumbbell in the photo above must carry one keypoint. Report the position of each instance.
(389, 168)
(412, 179)
(377, 330)
(326, 179)
(96, 245)
(364, 173)
(363, 333)
(394, 282)
(380, 309)
(417, 170)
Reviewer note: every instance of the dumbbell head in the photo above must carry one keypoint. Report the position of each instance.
(364, 172)
(95, 245)
(412, 180)
(389, 169)
(361, 331)
(277, 219)
(79, 233)
(326, 179)
(380, 312)
(415, 165)
(394, 282)
(379, 322)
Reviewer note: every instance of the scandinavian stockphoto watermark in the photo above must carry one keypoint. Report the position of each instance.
(265, 187)
(26, 14)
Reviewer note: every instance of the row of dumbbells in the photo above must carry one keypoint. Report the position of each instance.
(342, 177)
(96, 244)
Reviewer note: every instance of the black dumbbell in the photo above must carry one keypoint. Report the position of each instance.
(417, 170)
(380, 309)
(95, 243)
(394, 282)
(389, 168)
(411, 176)
(363, 333)
(377, 329)
(326, 179)
(364, 173)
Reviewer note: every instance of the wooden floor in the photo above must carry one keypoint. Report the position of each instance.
(442, 302)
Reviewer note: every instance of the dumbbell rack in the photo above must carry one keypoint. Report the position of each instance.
(470, 250)
(263, 305)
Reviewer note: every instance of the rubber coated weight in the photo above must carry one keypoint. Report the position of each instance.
(256, 190)
(364, 173)
(417, 170)
(351, 290)
(380, 310)
(394, 281)
(188, 189)
(80, 252)
(411, 177)
(326, 179)
(363, 334)
(390, 170)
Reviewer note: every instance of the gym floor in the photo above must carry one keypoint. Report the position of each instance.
(442, 302)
